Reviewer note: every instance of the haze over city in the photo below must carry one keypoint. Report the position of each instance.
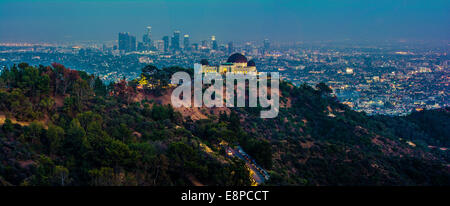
(72, 21)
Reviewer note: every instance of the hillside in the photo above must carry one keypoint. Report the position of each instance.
(65, 127)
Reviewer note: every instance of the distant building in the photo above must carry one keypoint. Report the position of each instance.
(230, 47)
(147, 38)
(104, 48)
(186, 43)
(266, 45)
(204, 44)
(176, 41)
(195, 46)
(127, 42)
(214, 43)
(236, 63)
(159, 44)
(132, 43)
(223, 48)
(166, 43)
(124, 41)
(147, 42)
(248, 47)
(141, 46)
(349, 70)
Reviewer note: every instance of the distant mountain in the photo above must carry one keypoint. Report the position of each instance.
(65, 127)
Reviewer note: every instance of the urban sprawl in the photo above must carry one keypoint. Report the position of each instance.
(389, 77)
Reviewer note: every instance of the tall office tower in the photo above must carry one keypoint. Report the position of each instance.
(223, 48)
(132, 43)
(147, 38)
(186, 43)
(176, 41)
(124, 41)
(166, 43)
(195, 47)
(266, 45)
(248, 47)
(214, 43)
(127, 42)
(141, 46)
(230, 47)
(204, 44)
(159, 45)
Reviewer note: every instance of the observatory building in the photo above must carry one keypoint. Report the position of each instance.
(236, 63)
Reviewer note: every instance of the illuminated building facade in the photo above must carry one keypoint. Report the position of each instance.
(236, 63)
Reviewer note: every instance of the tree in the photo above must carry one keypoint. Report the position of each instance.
(235, 122)
(74, 140)
(162, 168)
(145, 154)
(86, 118)
(55, 136)
(44, 171)
(72, 105)
(8, 126)
(43, 84)
(35, 131)
(143, 81)
(150, 70)
(62, 174)
(323, 88)
(47, 104)
(124, 91)
(103, 177)
(99, 88)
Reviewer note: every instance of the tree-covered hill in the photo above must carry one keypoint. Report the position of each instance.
(65, 127)
(318, 141)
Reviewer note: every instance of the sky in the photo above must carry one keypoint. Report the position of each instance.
(229, 20)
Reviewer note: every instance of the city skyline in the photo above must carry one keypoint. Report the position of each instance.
(49, 21)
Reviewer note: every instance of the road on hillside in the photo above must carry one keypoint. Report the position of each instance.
(258, 172)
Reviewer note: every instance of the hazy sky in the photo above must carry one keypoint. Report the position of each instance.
(280, 20)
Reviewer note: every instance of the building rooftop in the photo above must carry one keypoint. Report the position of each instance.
(237, 58)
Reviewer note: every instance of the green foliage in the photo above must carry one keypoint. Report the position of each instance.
(55, 136)
(323, 88)
(49, 174)
(74, 130)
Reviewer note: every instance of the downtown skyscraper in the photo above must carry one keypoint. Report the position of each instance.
(266, 46)
(166, 43)
(176, 41)
(147, 38)
(230, 47)
(214, 43)
(186, 43)
(127, 42)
